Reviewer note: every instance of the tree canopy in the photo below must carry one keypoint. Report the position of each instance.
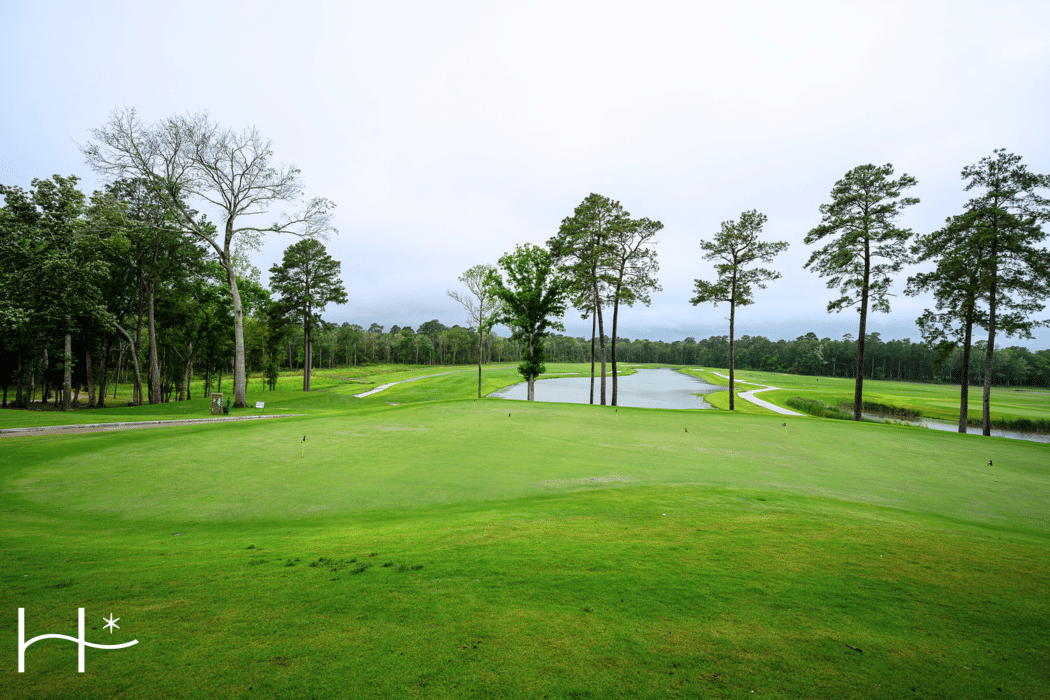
(533, 298)
(307, 281)
(736, 246)
(866, 247)
(191, 157)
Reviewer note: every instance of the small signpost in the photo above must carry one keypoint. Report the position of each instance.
(260, 405)
(216, 404)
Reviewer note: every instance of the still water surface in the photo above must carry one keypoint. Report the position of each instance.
(954, 428)
(646, 388)
(666, 388)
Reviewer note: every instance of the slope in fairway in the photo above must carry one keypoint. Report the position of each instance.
(442, 548)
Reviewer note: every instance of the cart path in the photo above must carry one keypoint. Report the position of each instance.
(750, 396)
(103, 427)
(384, 387)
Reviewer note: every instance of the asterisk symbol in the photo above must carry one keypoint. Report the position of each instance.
(111, 622)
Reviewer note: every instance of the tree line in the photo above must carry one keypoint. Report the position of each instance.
(990, 270)
(136, 274)
(433, 342)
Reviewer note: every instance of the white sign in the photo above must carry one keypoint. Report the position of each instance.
(81, 643)
(260, 404)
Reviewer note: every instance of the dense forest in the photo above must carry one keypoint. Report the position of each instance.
(432, 342)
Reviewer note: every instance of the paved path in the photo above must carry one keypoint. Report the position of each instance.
(428, 376)
(131, 425)
(384, 387)
(750, 396)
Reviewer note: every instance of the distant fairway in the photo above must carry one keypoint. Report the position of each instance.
(939, 401)
(563, 550)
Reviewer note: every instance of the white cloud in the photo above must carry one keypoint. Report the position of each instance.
(449, 132)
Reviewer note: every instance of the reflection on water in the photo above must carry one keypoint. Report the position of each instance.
(646, 388)
(954, 427)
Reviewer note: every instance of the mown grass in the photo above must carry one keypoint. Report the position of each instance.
(443, 549)
(1013, 408)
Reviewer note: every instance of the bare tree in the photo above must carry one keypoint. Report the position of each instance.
(482, 305)
(190, 156)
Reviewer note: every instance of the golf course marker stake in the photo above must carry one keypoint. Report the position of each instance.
(993, 472)
(79, 639)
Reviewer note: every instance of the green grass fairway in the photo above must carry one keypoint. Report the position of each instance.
(443, 548)
(938, 401)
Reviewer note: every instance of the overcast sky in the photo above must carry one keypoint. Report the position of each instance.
(448, 132)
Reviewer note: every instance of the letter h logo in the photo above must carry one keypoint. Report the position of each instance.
(81, 643)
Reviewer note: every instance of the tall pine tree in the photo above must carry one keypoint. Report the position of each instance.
(866, 248)
(307, 281)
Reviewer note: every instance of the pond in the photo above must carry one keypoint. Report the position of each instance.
(646, 388)
(954, 428)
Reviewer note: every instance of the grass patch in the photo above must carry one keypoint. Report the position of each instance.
(565, 553)
(815, 407)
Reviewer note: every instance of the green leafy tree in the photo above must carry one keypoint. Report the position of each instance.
(481, 305)
(958, 285)
(162, 258)
(350, 336)
(456, 338)
(866, 247)
(633, 266)
(64, 260)
(307, 281)
(736, 247)
(189, 157)
(582, 249)
(533, 298)
(1008, 213)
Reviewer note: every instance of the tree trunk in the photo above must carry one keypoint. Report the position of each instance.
(594, 331)
(986, 399)
(67, 369)
(20, 390)
(154, 361)
(964, 391)
(90, 378)
(120, 367)
(732, 322)
(307, 352)
(308, 361)
(616, 313)
(479, 360)
(858, 391)
(240, 387)
(103, 372)
(136, 396)
(601, 339)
